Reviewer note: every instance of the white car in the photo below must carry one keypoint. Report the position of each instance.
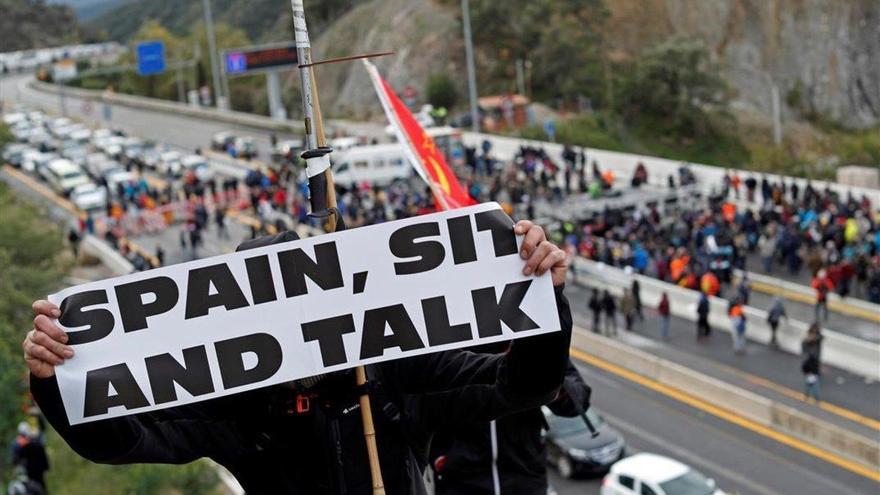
(169, 163)
(652, 474)
(377, 165)
(64, 176)
(198, 165)
(89, 197)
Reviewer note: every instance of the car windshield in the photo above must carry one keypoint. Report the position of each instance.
(690, 483)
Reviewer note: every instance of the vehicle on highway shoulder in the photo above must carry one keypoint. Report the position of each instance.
(652, 474)
(63, 176)
(197, 165)
(245, 147)
(169, 163)
(222, 140)
(13, 153)
(89, 197)
(376, 165)
(288, 149)
(38, 162)
(574, 451)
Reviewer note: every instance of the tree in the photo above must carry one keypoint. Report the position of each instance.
(674, 84)
(441, 91)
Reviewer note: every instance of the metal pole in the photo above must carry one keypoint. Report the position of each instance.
(777, 114)
(469, 55)
(520, 77)
(273, 90)
(219, 99)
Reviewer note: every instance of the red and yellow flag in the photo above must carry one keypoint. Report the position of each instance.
(420, 148)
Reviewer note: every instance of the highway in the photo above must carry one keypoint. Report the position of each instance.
(740, 460)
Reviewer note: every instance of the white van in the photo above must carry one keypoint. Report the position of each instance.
(64, 175)
(377, 165)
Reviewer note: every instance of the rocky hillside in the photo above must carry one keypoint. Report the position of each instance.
(34, 24)
(425, 36)
(824, 56)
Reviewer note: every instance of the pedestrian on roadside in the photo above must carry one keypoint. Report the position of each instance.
(595, 305)
(703, 328)
(637, 296)
(609, 306)
(822, 285)
(744, 289)
(663, 310)
(628, 308)
(737, 326)
(29, 453)
(811, 350)
(160, 255)
(774, 315)
(220, 220)
(74, 238)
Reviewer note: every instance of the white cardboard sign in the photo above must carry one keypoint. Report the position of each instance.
(231, 323)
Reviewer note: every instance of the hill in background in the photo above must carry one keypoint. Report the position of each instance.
(34, 24)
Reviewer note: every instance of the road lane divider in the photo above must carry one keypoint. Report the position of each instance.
(770, 419)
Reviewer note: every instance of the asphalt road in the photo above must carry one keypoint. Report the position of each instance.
(739, 460)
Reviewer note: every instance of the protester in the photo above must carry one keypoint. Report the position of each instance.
(609, 307)
(703, 328)
(811, 350)
(271, 446)
(29, 453)
(595, 305)
(822, 285)
(636, 289)
(737, 326)
(469, 458)
(663, 310)
(774, 315)
(628, 308)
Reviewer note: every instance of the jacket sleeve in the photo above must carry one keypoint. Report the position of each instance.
(129, 439)
(574, 396)
(448, 387)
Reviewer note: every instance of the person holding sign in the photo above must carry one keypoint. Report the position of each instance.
(305, 436)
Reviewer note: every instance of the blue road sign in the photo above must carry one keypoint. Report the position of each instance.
(236, 62)
(150, 58)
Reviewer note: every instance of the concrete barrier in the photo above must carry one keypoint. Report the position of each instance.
(842, 351)
(99, 249)
(848, 305)
(761, 410)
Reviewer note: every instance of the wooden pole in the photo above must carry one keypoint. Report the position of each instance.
(316, 140)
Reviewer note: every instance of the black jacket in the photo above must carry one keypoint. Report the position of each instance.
(272, 447)
(467, 449)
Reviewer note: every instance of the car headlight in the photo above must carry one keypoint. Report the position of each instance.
(578, 454)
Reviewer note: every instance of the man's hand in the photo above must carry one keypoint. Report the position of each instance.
(45, 346)
(540, 254)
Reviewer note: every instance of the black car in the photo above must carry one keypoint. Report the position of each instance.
(574, 451)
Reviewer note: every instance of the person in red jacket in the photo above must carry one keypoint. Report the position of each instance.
(822, 285)
(663, 310)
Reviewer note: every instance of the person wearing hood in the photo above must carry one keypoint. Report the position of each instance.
(307, 436)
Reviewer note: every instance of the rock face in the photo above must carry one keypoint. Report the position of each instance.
(828, 52)
(425, 36)
(824, 56)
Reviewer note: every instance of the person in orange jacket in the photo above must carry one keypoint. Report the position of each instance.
(709, 284)
(822, 285)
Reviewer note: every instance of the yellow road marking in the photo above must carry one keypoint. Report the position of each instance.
(727, 415)
(837, 306)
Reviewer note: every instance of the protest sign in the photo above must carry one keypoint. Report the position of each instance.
(241, 321)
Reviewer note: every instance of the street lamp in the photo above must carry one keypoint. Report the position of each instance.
(469, 55)
(219, 98)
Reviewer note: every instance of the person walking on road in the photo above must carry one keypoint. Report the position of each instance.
(703, 328)
(774, 315)
(637, 295)
(628, 308)
(744, 289)
(738, 326)
(595, 305)
(663, 310)
(822, 285)
(610, 309)
(811, 350)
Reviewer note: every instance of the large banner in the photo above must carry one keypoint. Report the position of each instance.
(241, 321)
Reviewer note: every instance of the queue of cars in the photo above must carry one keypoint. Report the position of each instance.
(89, 166)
